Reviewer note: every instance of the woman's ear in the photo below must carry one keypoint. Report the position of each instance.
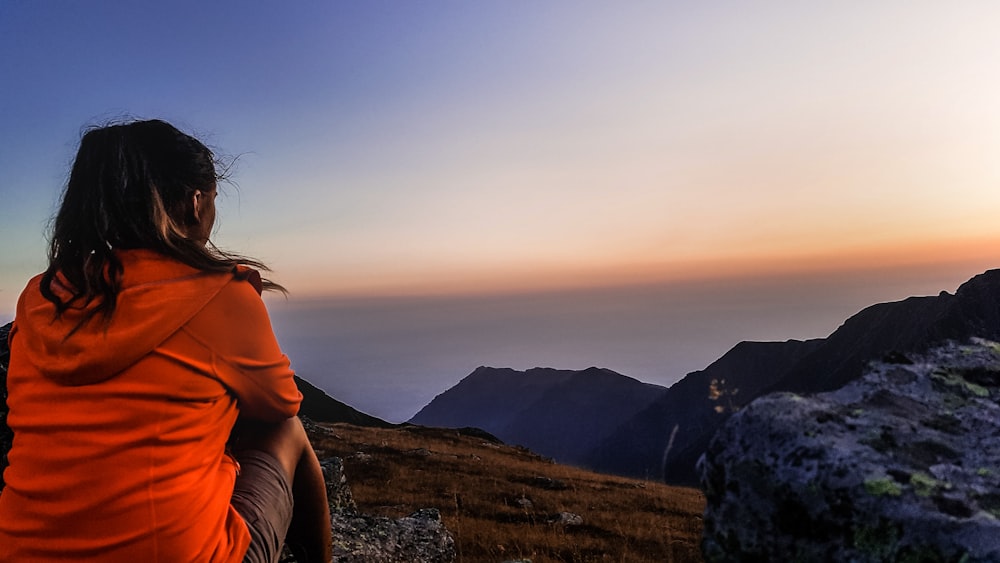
(196, 211)
(200, 215)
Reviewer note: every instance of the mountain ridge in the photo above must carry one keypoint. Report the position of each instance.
(642, 446)
(909, 325)
(544, 409)
(663, 433)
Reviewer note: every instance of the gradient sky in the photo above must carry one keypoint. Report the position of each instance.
(407, 148)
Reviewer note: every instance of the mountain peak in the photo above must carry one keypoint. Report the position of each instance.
(552, 411)
(699, 403)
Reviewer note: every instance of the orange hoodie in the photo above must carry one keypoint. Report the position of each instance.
(120, 429)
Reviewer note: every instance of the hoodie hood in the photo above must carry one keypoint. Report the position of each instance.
(159, 295)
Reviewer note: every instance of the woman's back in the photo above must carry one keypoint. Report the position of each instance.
(132, 356)
(120, 430)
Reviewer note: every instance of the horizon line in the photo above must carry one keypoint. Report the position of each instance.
(953, 258)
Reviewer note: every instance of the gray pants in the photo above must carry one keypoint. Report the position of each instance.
(263, 497)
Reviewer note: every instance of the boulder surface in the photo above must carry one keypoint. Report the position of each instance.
(902, 464)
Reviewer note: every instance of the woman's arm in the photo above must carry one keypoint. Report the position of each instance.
(246, 357)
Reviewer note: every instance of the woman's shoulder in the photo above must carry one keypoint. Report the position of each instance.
(143, 267)
(246, 273)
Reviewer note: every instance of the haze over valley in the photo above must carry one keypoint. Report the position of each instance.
(390, 356)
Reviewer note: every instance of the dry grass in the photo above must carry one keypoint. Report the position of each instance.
(498, 501)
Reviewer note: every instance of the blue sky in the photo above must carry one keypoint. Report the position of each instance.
(447, 148)
(456, 146)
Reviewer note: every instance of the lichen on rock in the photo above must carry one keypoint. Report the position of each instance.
(899, 465)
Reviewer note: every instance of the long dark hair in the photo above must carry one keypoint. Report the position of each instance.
(129, 188)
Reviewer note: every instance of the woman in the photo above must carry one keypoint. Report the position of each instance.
(132, 357)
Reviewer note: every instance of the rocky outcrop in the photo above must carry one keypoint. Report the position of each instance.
(902, 464)
(361, 538)
(418, 538)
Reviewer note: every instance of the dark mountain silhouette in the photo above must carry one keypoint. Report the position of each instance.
(320, 407)
(693, 408)
(904, 326)
(557, 413)
(639, 447)
(608, 422)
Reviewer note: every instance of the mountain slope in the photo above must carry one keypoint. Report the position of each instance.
(904, 326)
(690, 409)
(320, 407)
(558, 413)
(503, 503)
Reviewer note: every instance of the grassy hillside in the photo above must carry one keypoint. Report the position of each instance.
(500, 501)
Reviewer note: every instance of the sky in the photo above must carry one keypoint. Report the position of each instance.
(436, 154)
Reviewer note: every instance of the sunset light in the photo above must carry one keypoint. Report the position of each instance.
(418, 149)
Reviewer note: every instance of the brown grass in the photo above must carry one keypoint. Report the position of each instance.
(498, 501)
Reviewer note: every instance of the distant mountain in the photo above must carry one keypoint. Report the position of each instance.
(608, 422)
(750, 369)
(904, 326)
(557, 413)
(321, 407)
(693, 408)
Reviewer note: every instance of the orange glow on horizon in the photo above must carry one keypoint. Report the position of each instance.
(962, 256)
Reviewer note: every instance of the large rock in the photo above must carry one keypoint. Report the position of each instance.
(902, 464)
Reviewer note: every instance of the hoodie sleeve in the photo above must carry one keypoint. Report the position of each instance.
(245, 354)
